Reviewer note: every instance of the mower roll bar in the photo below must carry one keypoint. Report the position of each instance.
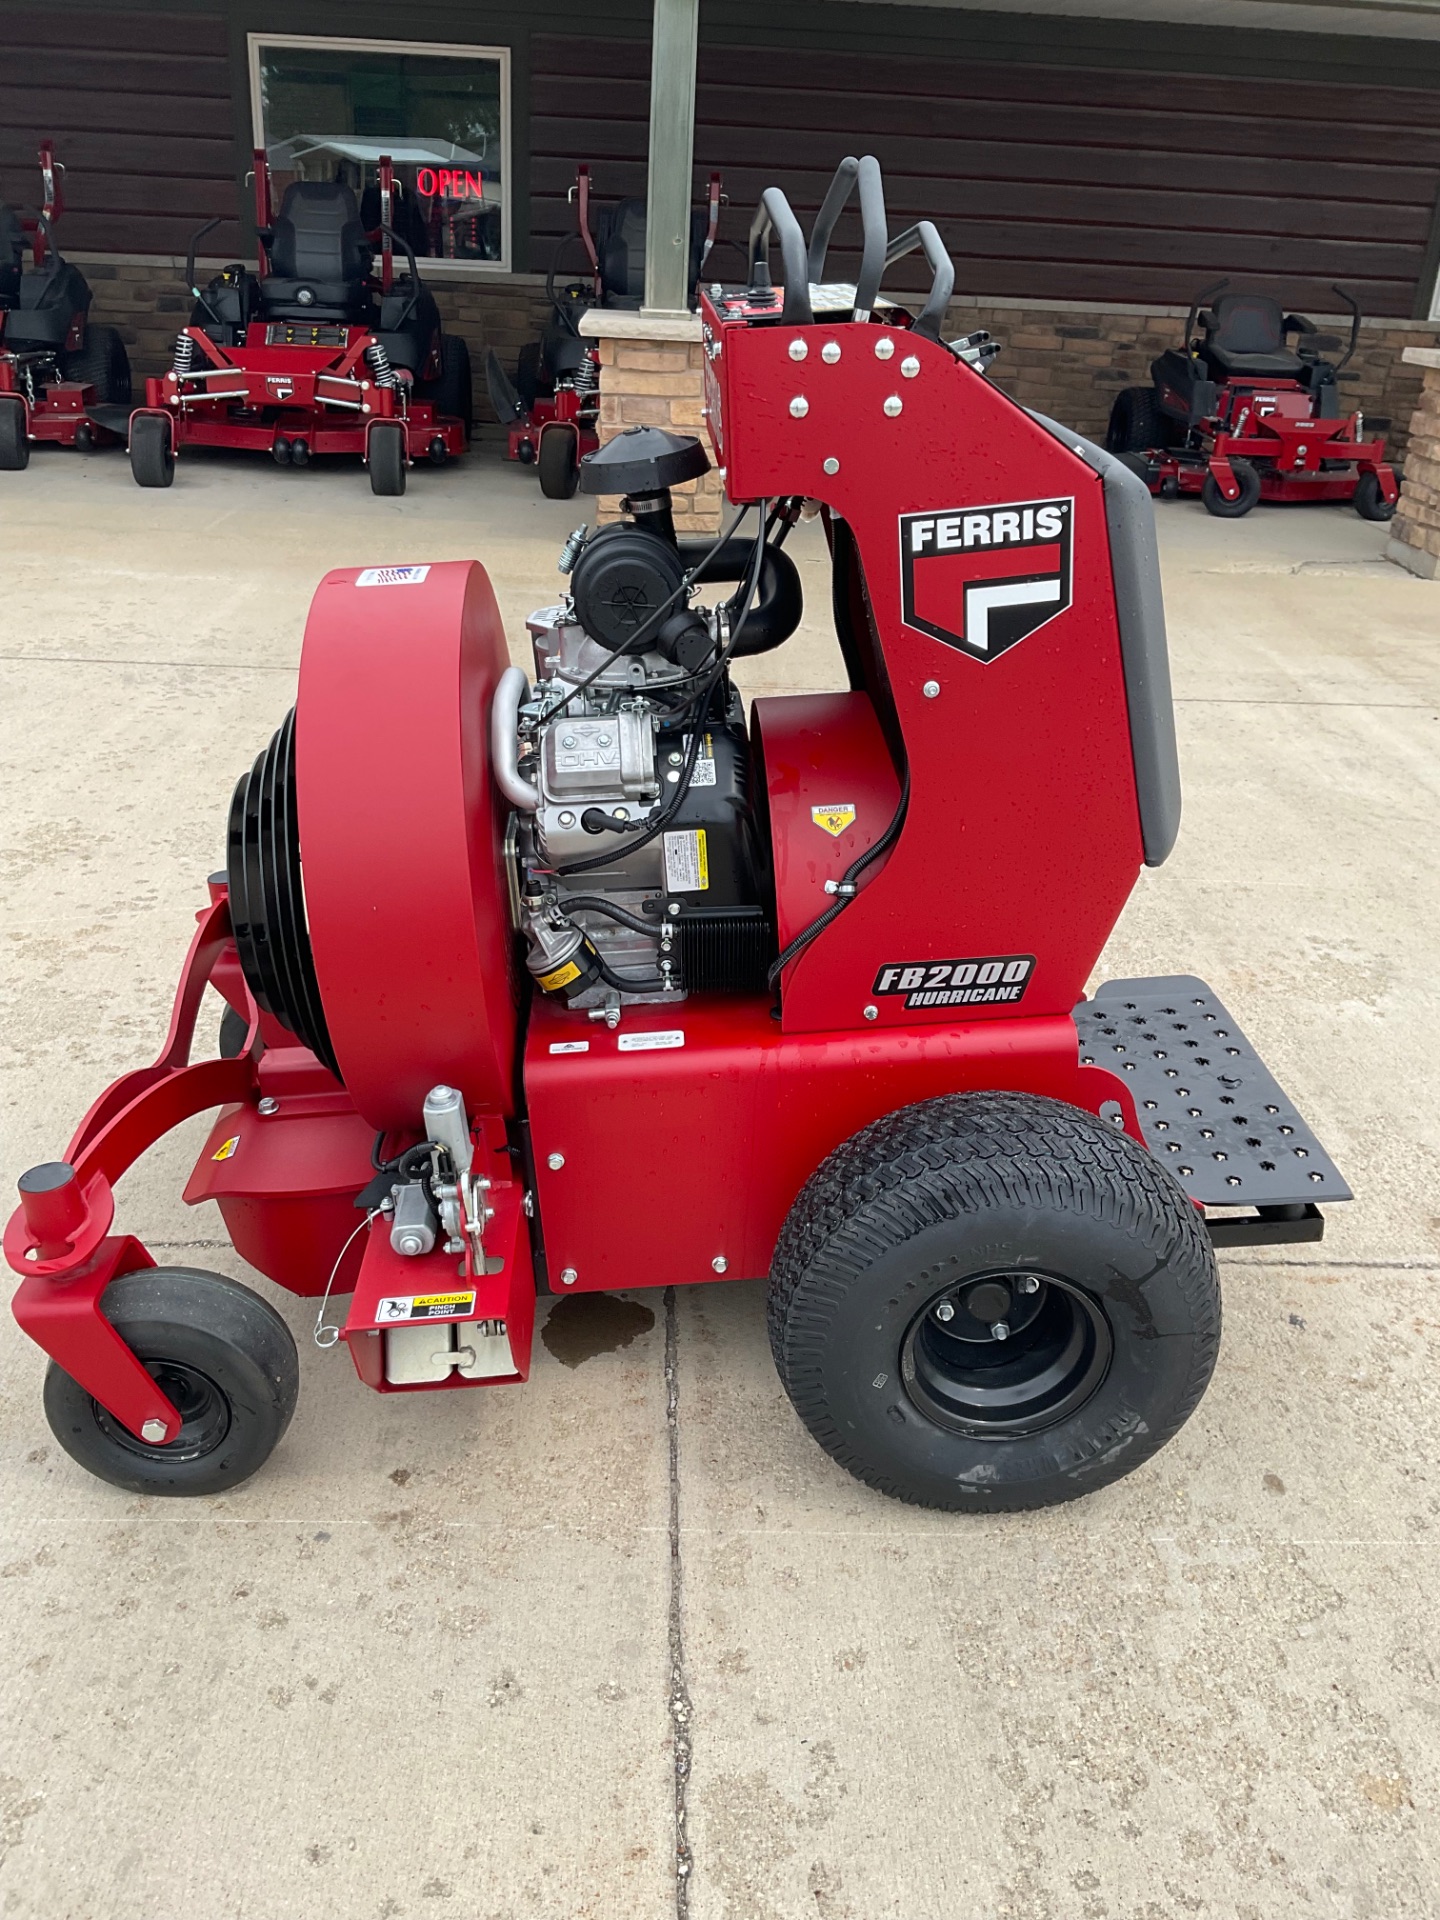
(925, 235)
(1354, 306)
(1195, 305)
(195, 239)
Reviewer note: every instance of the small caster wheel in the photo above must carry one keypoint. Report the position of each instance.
(152, 451)
(559, 463)
(224, 1358)
(1214, 501)
(84, 439)
(525, 453)
(1369, 502)
(299, 453)
(280, 452)
(436, 450)
(386, 453)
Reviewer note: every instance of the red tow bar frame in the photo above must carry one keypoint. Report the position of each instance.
(59, 1238)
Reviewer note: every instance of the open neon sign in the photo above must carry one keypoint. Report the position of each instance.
(450, 183)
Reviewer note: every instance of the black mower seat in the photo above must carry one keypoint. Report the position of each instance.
(1245, 334)
(621, 246)
(408, 336)
(48, 305)
(319, 256)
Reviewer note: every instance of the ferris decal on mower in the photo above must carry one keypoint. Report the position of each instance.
(984, 578)
(518, 1003)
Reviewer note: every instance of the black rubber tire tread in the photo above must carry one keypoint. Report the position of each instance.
(949, 1160)
(208, 1322)
(102, 363)
(387, 459)
(1136, 422)
(14, 441)
(1369, 502)
(233, 1030)
(152, 460)
(1214, 501)
(559, 463)
(452, 393)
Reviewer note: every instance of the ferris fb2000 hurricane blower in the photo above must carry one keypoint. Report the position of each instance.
(591, 984)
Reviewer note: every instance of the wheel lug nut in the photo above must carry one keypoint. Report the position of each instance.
(1029, 1284)
(1000, 1330)
(944, 1311)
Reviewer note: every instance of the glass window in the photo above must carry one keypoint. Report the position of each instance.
(329, 109)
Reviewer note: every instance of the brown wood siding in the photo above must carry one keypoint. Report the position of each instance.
(141, 110)
(1047, 182)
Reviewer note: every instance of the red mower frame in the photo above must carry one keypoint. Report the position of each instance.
(290, 396)
(1253, 436)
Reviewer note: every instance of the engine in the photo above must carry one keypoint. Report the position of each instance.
(639, 864)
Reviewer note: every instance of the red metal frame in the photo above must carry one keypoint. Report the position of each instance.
(59, 411)
(324, 397)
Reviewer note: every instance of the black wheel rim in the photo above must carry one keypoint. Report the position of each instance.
(204, 1415)
(965, 1374)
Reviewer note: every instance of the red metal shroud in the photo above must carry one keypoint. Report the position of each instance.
(403, 830)
(1023, 830)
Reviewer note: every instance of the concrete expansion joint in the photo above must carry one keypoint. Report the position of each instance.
(680, 1706)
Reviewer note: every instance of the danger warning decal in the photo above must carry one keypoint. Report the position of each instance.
(983, 578)
(999, 980)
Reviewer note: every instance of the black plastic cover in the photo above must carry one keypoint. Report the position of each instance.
(643, 460)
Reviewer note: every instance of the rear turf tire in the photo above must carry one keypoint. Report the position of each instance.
(1106, 1358)
(223, 1355)
(14, 441)
(1215, 502)
(452, 393)
(152, 454)
(102, 363)
(1136, 422)
(387, 458)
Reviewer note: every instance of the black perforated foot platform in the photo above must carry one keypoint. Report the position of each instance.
(1209, 1107)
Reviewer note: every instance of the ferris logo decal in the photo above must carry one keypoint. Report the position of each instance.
(1000, 980)
(983, 578)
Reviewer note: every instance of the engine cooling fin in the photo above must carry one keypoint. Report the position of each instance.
(267, 899)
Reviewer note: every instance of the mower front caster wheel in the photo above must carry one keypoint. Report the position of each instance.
(387, 458)
(992, 1302)
(1369, 502)
(1214, 501)
(152, 452)
(559, 463)
(14, 441)
(227, 1362)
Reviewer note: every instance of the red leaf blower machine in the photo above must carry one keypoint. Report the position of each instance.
(586, 979)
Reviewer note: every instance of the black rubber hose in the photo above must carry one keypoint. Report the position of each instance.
(623, 983)
(779, 603)
(596, 903)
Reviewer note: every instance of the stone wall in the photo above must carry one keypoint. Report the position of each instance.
(1068, 361)
(1415, 530)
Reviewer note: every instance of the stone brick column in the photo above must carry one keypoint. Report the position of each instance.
(1415, 530)
(652, 375)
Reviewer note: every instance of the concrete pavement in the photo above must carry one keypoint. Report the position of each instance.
(433, 1660)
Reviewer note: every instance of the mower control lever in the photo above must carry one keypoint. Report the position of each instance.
(774, 213)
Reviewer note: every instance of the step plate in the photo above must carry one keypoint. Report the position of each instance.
(1208, 1105)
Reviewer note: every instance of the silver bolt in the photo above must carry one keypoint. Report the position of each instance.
(567, 819)
(569, 1277)
(153, 1432)
(675, 759)
(830, 352)
(909, 366)
(622, 813)
(893, 406)
(798, 349)
(1000, 1330)
(555, 1162)
(799, 407)
(720, 1263)
(884, 347)
(832, 465)
(872, 1013)
(931, 689)
(410, 1243)
(1029, 1284)
(944, 1311)
(269, 1105)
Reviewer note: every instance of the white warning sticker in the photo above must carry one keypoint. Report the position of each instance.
(391, 576)
(651, 1042)
(569, 1046)
(687, 864)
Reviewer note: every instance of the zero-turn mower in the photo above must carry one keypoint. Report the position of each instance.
(1248, 410)
(551, 409)
(583, 978)
(56, 370)
(312, 354)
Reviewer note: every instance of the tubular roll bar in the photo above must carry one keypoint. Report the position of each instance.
(802, 267)
(1354, 306)
(1195, 305)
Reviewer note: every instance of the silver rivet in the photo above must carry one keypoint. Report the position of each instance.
(872, 1013)
(269, 1105)
(569, 1277)
(884, 347)
(931, 689)
(944, 1311)
(720, 1263)
(798, 349)
(909, 366)
(830, 352)
(567, 819)
(832, 465)
(894, 405)
(799, 407)
(555, 1162)
(153, 1432)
